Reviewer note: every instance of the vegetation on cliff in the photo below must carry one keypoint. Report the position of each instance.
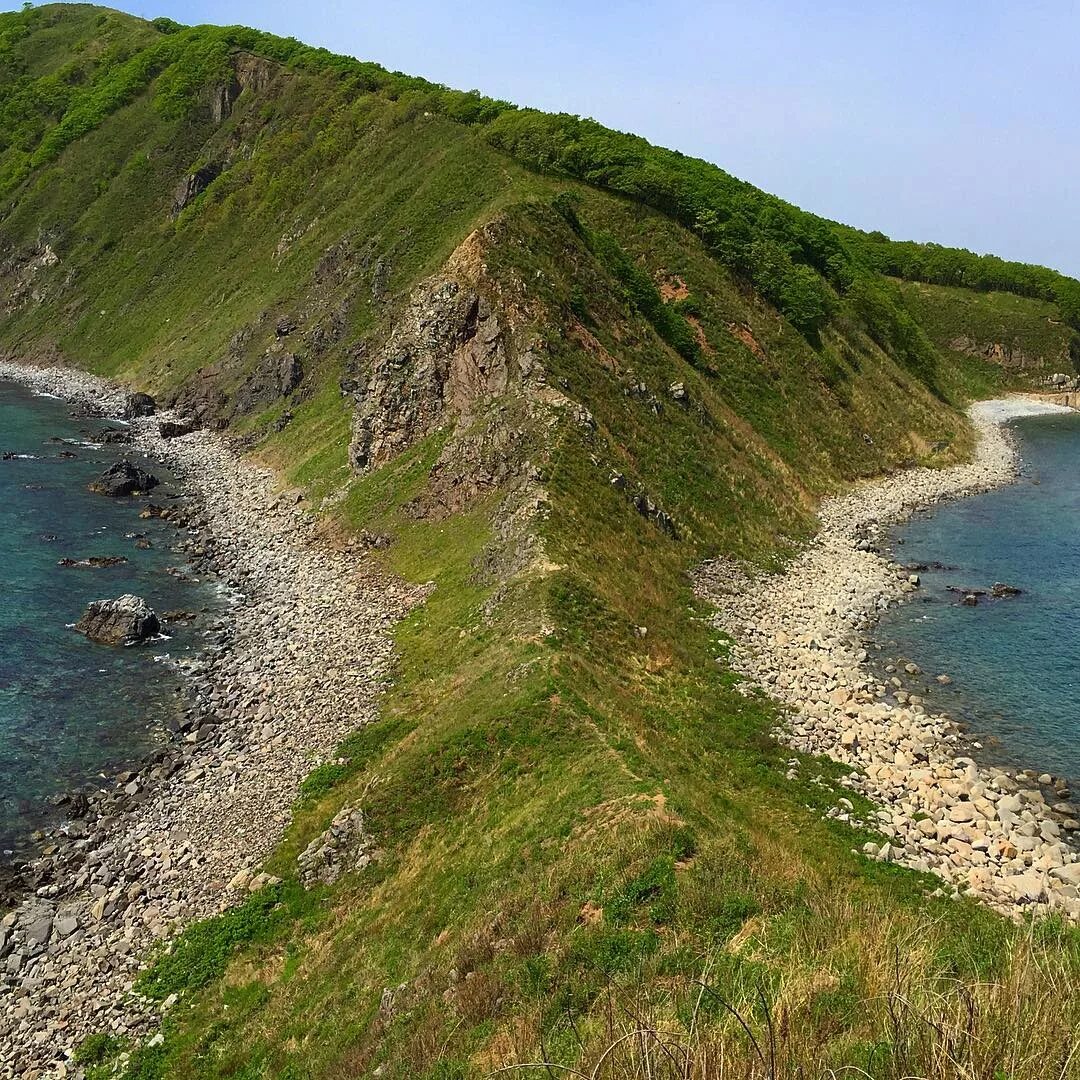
(588, 842)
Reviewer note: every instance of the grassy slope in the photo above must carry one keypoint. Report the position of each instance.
(538, 762)
(963, 324)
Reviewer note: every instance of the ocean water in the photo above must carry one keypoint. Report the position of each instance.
(1014, 662)
(70, 708)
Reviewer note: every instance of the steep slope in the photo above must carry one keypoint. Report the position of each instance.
(551, 369)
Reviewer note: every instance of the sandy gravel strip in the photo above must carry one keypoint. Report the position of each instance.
(295, 667)
(801, 636)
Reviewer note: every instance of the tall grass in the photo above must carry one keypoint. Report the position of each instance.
(915, 1019)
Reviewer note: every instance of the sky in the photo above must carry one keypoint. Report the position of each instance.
(953, 121)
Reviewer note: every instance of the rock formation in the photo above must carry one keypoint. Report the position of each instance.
(126, 620)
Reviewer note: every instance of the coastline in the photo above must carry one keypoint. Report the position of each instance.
(297, 666)
(800, 635)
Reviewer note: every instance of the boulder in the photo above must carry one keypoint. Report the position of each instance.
(173, 429)
(127, 620)
(140, 405)
(124, 478)
(962, 813)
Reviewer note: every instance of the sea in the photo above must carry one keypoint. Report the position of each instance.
(72, 710)
(1014, 662)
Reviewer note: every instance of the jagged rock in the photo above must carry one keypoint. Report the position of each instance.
(124, 478)
(344, 847)
(140, 405)
(126, 620)
(276, 375)
(446, 353)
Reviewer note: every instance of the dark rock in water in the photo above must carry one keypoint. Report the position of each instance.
(1000, 589)
(124, 478)
(142, 543)
(95, 562)
(970, 599)
(113, 435)
(140, 405)
(127, 620)
(67, 455)
(173, 429)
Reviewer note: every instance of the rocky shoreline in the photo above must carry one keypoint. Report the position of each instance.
(296, 666)
(1001, 836)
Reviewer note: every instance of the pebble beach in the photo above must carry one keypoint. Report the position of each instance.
(803, 637)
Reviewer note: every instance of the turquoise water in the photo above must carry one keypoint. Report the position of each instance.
(70, 708)
(1015, 662)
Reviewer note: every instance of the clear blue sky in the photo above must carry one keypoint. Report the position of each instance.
(952, 120)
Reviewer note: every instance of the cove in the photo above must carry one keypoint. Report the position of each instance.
(1014, 662)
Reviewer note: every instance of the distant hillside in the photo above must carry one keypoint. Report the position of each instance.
(555, 368)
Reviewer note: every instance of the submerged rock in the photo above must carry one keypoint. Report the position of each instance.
(124, 478)
(126, 620)
(95, 562)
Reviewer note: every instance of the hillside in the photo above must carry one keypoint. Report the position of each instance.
(551, 369)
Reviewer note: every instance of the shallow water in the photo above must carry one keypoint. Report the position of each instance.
(70, 708)
(1015, 662)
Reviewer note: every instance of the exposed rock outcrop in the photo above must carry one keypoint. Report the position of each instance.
(446, 355)
(126, 620)
(249, 72)
(277, 375)
(193, 185)
(344, 847)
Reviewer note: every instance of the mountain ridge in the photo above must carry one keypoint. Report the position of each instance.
(549, 369)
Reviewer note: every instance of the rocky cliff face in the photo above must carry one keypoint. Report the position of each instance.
(248, 72)
(446, 357)
(458, 355)
(1005, 353)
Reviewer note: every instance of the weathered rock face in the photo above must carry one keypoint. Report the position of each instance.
(124, 478)
(344, 847)
(194, 184)
(446, 355)
(126, 620)
(249, 72)
(278, 374)
(140, 405)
